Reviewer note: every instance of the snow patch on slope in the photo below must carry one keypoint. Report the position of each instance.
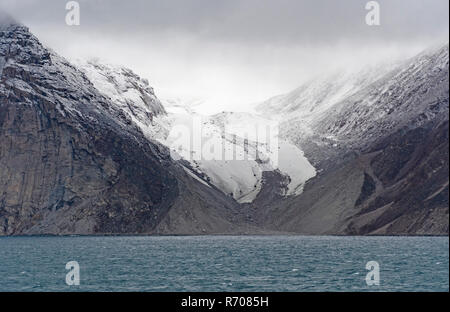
(293, 163)
(238, 178)
(127, 91)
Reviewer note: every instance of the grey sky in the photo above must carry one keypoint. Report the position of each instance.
(236, 50)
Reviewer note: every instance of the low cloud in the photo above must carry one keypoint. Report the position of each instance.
(234, 52)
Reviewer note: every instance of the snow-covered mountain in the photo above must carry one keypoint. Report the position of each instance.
(129, 93)
(408, 97)
(311, 114)
(381, 151)
(299, 110)
(336, 113)
(239, 176)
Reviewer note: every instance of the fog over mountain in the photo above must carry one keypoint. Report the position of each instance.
(230, 53)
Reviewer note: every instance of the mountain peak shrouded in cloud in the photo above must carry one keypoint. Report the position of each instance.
(234, 52)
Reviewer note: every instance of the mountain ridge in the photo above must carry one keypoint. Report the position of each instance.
(389, 174)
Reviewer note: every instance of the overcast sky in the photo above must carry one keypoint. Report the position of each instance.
(234, 52)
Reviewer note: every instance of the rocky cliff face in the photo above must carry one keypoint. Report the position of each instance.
(72, 162)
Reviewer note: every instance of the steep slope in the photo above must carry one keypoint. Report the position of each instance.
(411, 190)
(71, 162)
(382, 155)
(401, 188)
(321, 93)
(299, 110)
(127, 91)
(408, 97)
(336, 114)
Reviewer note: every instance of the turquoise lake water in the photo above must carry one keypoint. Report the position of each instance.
(224, 263)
